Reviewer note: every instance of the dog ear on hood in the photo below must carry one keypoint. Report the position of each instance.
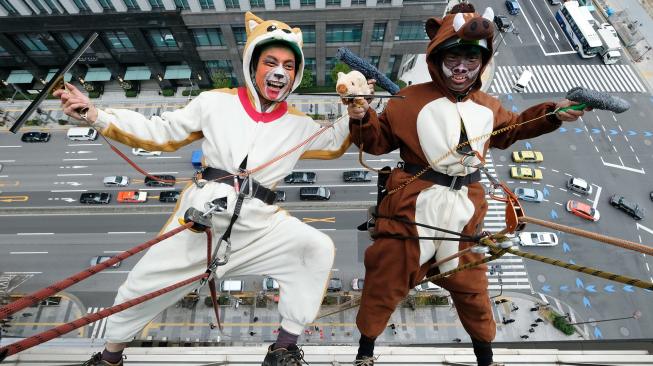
(432, 25)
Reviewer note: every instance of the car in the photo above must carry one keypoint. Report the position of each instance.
(169, 196)
(335, 285)
(162, 180)
(0, 167)
(116, 181)
(650, 195)
(142, 152)
(428, 286)
(281, 196)
(132, 196)
(538, 239)
(232, 286)
(35, 137)
(270, 284)
(103, 258)
(513, 7)
(95, 198)
(356, 176)
(583, 210)
(579, 185)
(314, 193)
(631, 208)
(527, 156)
(300, 177)
(529, 194)
(521, 172)
(554, 2)
(357, 284)
(503, 23)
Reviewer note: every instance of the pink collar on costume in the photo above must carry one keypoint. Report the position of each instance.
(281, 109)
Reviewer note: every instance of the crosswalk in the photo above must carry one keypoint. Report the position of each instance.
(510, 272)
(96, 330)
(561, 78)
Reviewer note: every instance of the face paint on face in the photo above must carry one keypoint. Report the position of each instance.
(275, 73)
(276, 84)
(461, 69)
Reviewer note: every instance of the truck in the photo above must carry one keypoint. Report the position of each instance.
(196, 159)
(611, 46)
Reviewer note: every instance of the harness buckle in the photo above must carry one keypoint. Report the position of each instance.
(197, 178)
(247, 186)
(452, 186)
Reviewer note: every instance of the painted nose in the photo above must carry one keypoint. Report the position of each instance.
(460, 69)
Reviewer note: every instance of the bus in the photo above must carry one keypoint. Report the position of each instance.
(576, 23)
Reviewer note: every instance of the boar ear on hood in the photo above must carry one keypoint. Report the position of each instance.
(432, 25)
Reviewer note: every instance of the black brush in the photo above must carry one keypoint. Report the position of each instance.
(595, 99)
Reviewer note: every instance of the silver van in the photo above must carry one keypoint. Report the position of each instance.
(82, 134)
(523, 81)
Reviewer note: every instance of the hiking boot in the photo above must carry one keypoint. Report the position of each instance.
(364, 361)
(291, 356)
(96, 360)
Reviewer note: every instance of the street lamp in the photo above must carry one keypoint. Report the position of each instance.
(636, 315)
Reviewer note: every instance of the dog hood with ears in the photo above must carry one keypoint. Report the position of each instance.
(259, 32)
(461, 26)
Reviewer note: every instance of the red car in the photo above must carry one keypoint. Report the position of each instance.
(583, 210)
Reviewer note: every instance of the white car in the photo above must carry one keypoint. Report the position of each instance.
(538, 239)
(116, 180)
(429, 286)
(141, 152)
(579, 185)
(357, 284)
(270, 284)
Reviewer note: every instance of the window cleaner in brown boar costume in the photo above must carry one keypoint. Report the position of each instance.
(433, 119)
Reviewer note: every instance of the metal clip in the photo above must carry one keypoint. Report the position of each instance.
(197, 180)
(453, 183)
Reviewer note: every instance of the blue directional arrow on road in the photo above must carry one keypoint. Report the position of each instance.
(648, 134)
(527, 145)
(632, 133)
(578, 130)
(586, 302)
(579, 283)
(613, 132)
(545, 192)
(546, 288)
(509, 96)
(562, 129)
(590, 288)
(629, 288)
(514, 109)
(608, 288)
(553, 214)
(565, 247)
(597, 332)
(596, 130)
(564, 288)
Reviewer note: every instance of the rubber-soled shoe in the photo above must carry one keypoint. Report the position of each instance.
(291, 356)
(364, 361)
(96, 360)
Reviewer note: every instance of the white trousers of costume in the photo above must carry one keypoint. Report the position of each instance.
(265, 241)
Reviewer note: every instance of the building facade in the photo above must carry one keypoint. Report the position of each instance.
(185, 42)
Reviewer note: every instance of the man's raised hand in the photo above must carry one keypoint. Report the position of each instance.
(73, 101)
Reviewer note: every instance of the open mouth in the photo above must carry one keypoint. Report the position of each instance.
(459, 79)
(275, 84)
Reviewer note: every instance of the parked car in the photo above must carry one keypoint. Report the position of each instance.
(232, 286)
(579, 185)
(103, 258)
(132, 196)
(169, 196)
(281, 196)
(35, 137)
(583, 210)
(356, 176)
(513, 7)
(335, 285)
(270, 284)
(631, 208)
(521, 172)
(116, 181)
(0, 167)
(301, 177)
(163, 180)
(95, 198)
(142, 152)
(539, 239)
(529, 194)
(314, 193)
(650, 195)
(429, 286)
(527, 156)
(503, 23)
(554, 2)
(357, 284)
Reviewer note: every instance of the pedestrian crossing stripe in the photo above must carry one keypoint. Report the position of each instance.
(561, 78)
(97, 329)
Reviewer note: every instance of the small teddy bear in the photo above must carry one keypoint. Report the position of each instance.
(352, 83)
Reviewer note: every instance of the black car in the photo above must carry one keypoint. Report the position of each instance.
(631, 208)
(169, 196)
(503, 23)
(35, 137)
(314, 193)
(356, 176)
(335, 285)
(554, 2)
(95, 198)
(281, 196)
(301, 177)
(160, 181)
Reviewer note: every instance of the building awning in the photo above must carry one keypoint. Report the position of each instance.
(175, 72)
(97, 74)
(138, 73)
(19, 77)
(66, 77)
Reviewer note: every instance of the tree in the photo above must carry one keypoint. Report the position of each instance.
(307, 79)
(339, 67)
(221, 79)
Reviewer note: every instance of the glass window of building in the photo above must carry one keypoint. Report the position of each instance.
(281, 3)
(308, 33)
(240, 35)
(256, 4)
(162, 38)
(82, 6)
(383, 2)
(72, 40)
(39, 7)
(330, 63)
(3, 51)
(8, 7)
(358, 2)
(337, 33)
(411, 31)
(217, 68)
(32, 42)
(157, 4)
(182, 4)
(231, 4)
(333, 2)
(106, 5)
(208, 37)
(118, 40)
(374, 60)
(391, 65)
(307, 3)
(378, 33)
(132, 5)
(53, 7)
(207, 4)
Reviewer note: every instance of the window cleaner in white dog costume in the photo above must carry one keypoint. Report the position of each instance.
(244, 130)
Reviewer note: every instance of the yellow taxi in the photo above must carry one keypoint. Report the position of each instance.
(527, 156)
(521, 172)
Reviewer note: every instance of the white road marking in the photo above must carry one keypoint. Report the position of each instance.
(550, 185)
(126, 232)
(553, 170)
(647, 267)
(164, 173)
(596, 148)
(636, 158)
(7, 161)
(558, 203)
(74, 175)
(79, 159)
(34, 233)
(640, 226)
(28, 272)
(84, 144)
(640, 171)
(113, 251)
(69, 190)
(598, 194)
(562, 189)
(12, 146)
(28, 252)
(163, 157)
